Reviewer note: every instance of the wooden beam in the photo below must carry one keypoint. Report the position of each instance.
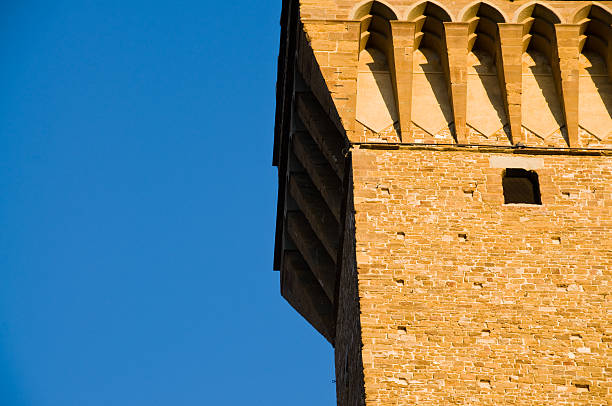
(312, 251)
(319, 170)
(302, 290)
(315, 209)
(322, 130)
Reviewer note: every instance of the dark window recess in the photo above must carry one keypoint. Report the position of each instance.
(521, 186)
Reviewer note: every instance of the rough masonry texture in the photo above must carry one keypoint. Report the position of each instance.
(403, 128)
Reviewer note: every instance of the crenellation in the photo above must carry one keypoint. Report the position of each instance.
(519, 23)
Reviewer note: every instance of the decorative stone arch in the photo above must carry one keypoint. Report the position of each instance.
(547, 114)
(595, 23)
(483, 18)
(486, 112)
(376, 109)
(466, 13)
(433, 114)
(525, 11)
(540, 21)
(582, 12)
(419, 8)
(363, 8)
(377, 15)
(425, 11)
(595, 75)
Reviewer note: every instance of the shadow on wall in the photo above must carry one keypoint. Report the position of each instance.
(383, 81)
(595, 96)
(541, 71)
(433, 94)
(376, 100)
(483, 81)
(542, 108)
(376, 107)
(596, 70)
(430, 86)
(542, 112)
(486, 110)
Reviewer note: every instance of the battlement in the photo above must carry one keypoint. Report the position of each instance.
(497, 72)
(445, 196)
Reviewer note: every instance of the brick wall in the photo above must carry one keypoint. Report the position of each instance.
(349, 364)
(465, 300)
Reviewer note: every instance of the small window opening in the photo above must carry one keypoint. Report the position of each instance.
(582, 387)
(521, 186)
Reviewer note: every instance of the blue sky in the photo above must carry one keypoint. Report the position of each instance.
(137, 207)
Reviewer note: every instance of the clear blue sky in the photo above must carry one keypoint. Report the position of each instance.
(137, 208)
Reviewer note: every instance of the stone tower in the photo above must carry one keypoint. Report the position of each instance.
(445, 196)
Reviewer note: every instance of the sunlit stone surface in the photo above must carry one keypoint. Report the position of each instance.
(376, 107)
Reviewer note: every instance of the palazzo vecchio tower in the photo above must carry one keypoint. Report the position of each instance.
(445, 197)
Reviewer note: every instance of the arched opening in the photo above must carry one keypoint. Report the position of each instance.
(486, 113)
(374, 8)
(376, 101)
(542, 114)
(431, 107)
(595, 96)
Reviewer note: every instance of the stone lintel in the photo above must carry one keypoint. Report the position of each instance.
(505, 161)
